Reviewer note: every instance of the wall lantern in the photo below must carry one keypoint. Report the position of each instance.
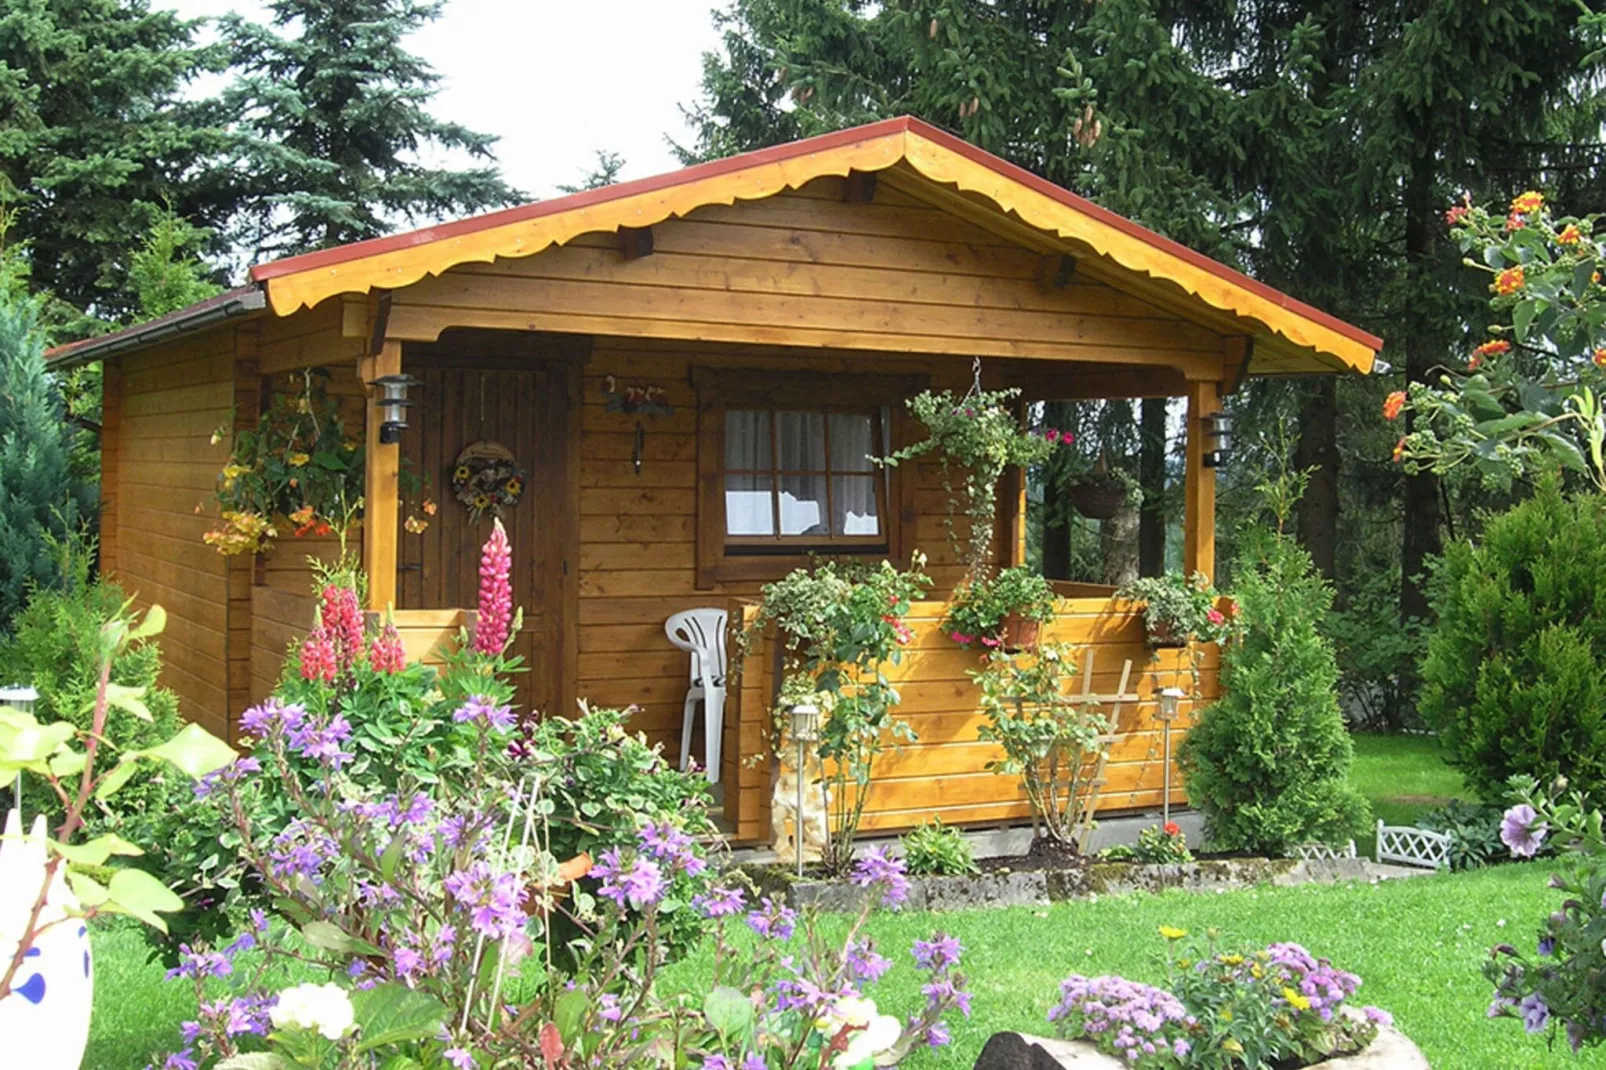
(1170, 703)
(21, 699)
(1218, 439)
(805, 730)
(393, 406)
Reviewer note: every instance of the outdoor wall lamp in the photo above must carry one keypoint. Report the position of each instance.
(1218, 439)
(393, 406)
(20, 698)
(805, 730)
(1170, 703)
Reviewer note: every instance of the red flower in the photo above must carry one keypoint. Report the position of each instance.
(496, 593)
(1215, 616)
(1173, 829)
(387, 654)
(1393, 404)
(1600, 357)
(318, 656)
(988, 641)
(1569, 235)
(1456, 214)
(1509, 281)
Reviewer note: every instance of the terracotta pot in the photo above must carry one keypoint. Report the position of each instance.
(1018, 634)
(1097, 499)
(568, 873)
(1163, 635)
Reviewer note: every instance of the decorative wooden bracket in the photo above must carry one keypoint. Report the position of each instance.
(1236, 353)
(859, 187)
(635, 242)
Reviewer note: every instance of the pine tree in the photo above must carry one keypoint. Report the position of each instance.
(605, 173)
(331, 116)
(164, 273)
(39, 501)
(98, 136)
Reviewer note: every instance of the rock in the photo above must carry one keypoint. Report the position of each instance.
(1392, 1050)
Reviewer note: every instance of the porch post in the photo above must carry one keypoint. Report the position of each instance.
(381, 467)
(1199, 521)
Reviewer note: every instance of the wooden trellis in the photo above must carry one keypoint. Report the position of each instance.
(1087, 698)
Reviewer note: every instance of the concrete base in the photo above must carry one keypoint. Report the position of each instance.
(1391, 1050)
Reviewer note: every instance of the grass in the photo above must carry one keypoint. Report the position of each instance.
(1403, 777)
(1418, 944)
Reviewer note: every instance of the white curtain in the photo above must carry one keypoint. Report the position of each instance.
(749, 501)
(799, 441)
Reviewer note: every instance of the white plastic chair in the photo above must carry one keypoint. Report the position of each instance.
(701, 633)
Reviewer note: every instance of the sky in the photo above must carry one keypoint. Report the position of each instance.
(557, 80)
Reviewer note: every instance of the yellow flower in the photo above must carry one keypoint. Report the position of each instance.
(1171, 933)
(461, 474)
(1232, 960)
(1295, 1000)
(415, 525)
(1569, 235)
(1255, 971)
(298, 460)
(1525, 203)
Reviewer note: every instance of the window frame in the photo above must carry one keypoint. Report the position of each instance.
(723, 558)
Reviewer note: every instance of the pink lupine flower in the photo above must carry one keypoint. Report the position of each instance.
(318, 656)
(342, 620)
(388, 655)
(496, 593)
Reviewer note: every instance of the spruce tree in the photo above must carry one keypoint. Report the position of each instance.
(39, 501)
(331, 114)
(164, 273)
(98, 135)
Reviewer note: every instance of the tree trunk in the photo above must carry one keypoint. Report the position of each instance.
(1151, 473)
(1118, 538)
(1317, 453)
(1422, 515)
(1056, 510)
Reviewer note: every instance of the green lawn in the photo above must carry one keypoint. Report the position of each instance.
(1403, 777)
(1418, 944)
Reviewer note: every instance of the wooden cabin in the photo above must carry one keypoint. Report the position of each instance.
(819, 284)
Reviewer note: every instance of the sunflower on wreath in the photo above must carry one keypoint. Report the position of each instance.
(486, 478)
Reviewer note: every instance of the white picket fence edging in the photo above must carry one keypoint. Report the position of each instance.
(1323, 852)
(1412, 846)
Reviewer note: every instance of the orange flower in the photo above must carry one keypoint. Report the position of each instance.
(1527, 203)
(1569, 235)
(429, 507)
(1509, 281)
(1393, 404)
(1474, 363)
(1490, 348)
(1399, 451)
(1456, 214)
(1600, 357)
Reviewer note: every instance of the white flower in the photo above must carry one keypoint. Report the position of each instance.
(872, 1033)
(324, 1008)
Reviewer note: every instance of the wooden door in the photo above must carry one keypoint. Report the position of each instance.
(468, 397)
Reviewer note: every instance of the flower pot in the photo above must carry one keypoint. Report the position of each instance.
(568, 872)
(45, 1019)
(1097, 499)
(1163, 635)
(1016, 634)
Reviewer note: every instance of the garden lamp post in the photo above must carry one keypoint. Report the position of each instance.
(1217, 429)
(393, 405)
(1170, 700)
(805, 730)
(20, 698)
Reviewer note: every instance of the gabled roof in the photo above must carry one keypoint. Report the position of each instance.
(962, 178)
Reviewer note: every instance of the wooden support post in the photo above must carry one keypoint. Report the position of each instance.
(381, 505)
(1199, 522)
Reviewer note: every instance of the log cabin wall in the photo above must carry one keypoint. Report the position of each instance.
(160, 467)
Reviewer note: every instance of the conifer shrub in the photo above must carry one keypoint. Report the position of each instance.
(1268, 763)
(1514, 678)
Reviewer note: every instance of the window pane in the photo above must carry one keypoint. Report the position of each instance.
(803, 505)
(749, 505)
(801, 439)
(851, 442)
(747, 439)
(854, 506)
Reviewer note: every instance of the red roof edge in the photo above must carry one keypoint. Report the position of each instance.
(583, 199)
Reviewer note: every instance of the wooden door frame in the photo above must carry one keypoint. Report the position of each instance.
(565, 357)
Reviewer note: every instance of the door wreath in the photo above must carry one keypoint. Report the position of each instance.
(485, 477)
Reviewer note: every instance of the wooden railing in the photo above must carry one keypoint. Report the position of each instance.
(944, 773)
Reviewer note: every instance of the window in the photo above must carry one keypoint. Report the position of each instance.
(784, 470)
(803, 478)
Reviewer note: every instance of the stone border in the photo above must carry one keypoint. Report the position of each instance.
(1006, 888)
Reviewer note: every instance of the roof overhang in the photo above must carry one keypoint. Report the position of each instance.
(231, 304)
(1291, 336)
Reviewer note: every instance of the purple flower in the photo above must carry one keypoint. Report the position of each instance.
(937, 1035)
(495, 901)
(1378, 1016)
(202, 963)
(719, 902)
(1535, 1015)
(879, 868)
(1180, 1048)
(460, 1058)
(180, 1060)
(483, 710)
(1522, 831)
(247, 1014)
(672, 847)
(717, 1062)
(608, 1008)
(320, 742)
(440, 952)
(259, 721)
(753, 1061)
(941, 950)
(259, 922)
(772, 920)
(189, 1031)
(408, 963)
(232, 773)
(864, 963)
(943, 991)
(1547, 945)
(640, 883)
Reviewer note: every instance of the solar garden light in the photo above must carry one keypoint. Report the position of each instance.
(805, 730)
(1218, 439)
(20, 698)
(393, 406)
(1170, 701)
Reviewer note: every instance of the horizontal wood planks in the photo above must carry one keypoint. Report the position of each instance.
(160, 470)
(805, 269)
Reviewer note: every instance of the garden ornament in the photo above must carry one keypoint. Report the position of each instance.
(788, 823)
(45, 1019)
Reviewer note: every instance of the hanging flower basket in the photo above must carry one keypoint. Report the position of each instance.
(1018, 634)
(1163, 635)
(1098, 499)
